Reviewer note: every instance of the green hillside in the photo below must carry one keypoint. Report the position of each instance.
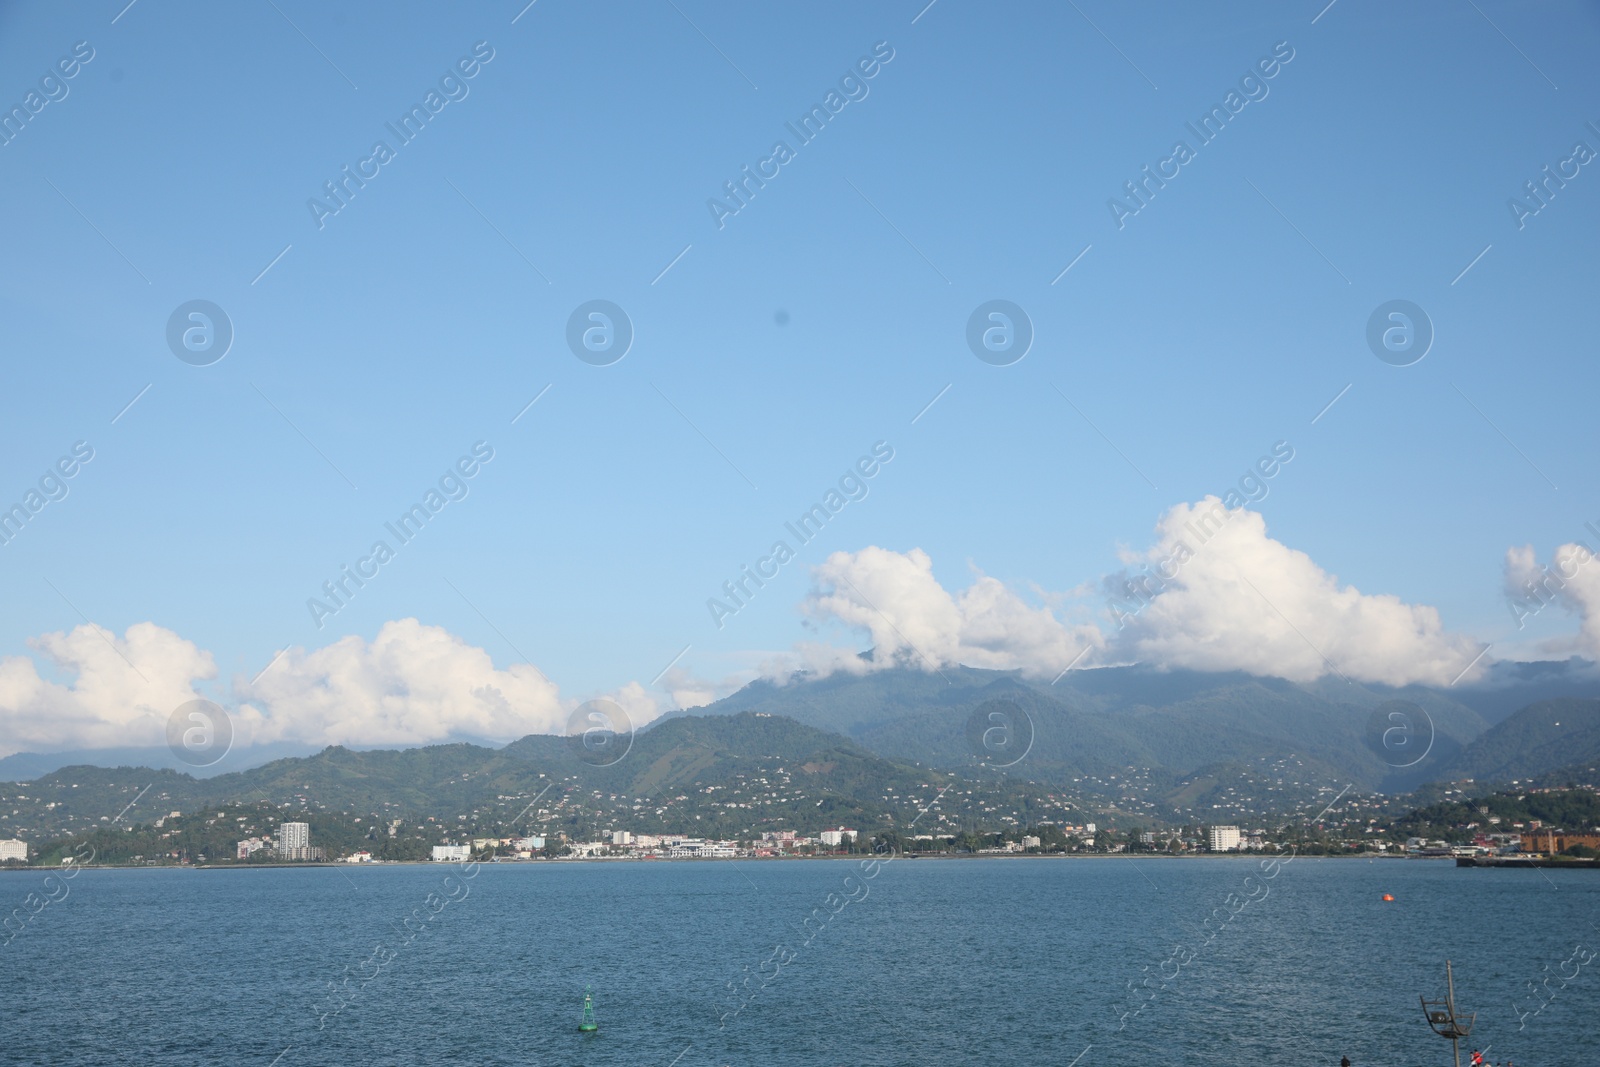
(1552, 737)
(723, 776)
(1094, 722)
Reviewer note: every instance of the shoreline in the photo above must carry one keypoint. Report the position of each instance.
(324, 865)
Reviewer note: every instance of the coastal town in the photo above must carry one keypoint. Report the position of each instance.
(564, 822)
(292, 843)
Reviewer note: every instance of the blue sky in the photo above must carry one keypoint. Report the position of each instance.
(820, 319)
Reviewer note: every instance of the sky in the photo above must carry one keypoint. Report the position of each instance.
(772, 344)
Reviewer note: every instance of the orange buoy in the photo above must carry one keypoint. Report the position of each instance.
(1388, 897)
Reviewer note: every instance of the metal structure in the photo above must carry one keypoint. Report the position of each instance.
(588, 1025)
(1443, 1018)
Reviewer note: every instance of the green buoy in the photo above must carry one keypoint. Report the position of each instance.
(588, 1025)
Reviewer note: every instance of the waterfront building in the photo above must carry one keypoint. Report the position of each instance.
(1550, 842)
(13, 850)
(452, 853)
(294, 842)
(250, 846)
(1224, 838)
(293, 836)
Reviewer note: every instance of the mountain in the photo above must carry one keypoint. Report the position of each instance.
(722, 776)
(1510, 685)
(1132, 743)
(1093, 723)
(25, 766)
(1555, 739)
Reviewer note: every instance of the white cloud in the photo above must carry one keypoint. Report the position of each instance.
(412, 684)
(689, 691)
(112, 690)
(1228, 597)
(914, 621)
(1232, 599)
(1571, 578)
(636, 701)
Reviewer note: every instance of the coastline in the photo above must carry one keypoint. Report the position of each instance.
(847, 857)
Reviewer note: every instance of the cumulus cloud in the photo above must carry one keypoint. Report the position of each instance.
(636, 701)
(690, 691)
(1571, 578)
(914, 621)
(1213, 592)
(110, 690)
(1216, 593)
(412, 684)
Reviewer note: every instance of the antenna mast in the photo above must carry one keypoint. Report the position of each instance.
(1443, 1018)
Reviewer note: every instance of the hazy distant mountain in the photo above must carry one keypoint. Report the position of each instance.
(1508, 686)
(26, 766)
(1179, 723)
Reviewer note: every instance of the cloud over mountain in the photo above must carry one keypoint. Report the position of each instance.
(1213, 592)
(915, 621)
(1226, 596)
(410, 685)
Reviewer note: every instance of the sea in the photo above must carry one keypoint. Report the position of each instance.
(1070, 962)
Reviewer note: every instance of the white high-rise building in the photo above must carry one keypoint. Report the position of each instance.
(452, 853)
(13, 850)
(1224, 839)
(294, 840)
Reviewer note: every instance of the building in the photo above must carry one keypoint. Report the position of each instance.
(1548, 842)
(13, 850)
(835, 838)
(251, 846)
(621, 837)
(293, 837)
(529, 844)
(452, 853)
(294, 842)
(1029, 841)
(1224, 838)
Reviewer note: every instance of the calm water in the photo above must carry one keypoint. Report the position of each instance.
(1009, 962)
